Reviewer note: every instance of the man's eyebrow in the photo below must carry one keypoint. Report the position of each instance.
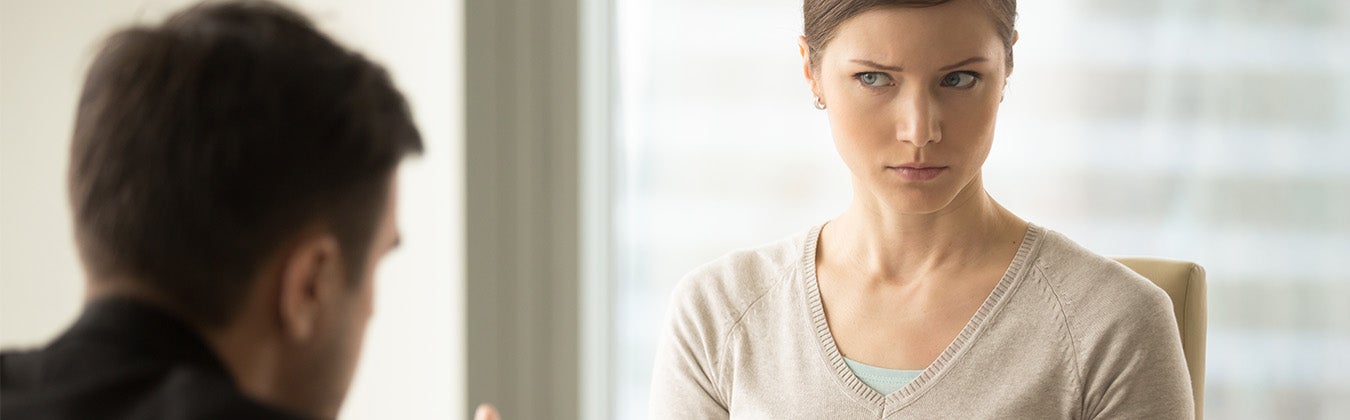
(874, 64)
(971, 60)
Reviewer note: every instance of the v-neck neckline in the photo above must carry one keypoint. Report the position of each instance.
(934, 372)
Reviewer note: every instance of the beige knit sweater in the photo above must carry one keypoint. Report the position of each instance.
(1065, 334)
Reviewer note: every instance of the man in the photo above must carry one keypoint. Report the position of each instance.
(232, 180)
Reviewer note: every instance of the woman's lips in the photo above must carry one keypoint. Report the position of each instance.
(917, 173)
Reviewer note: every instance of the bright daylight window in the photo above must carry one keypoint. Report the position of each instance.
(1216, 131)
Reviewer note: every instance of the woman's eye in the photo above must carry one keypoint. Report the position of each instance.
(873, 79)
(960, 79)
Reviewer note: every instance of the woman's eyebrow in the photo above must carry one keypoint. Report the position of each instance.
(874, 64)
(898, 69)
(971, 60)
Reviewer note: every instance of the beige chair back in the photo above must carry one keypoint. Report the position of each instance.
(1184, 282)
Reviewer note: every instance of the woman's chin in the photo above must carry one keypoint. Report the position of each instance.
(916, 201)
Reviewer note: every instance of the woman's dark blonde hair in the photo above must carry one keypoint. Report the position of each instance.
(823, 17)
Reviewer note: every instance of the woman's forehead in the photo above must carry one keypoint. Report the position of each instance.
(917, 37)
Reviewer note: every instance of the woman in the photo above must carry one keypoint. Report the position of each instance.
(925, 298)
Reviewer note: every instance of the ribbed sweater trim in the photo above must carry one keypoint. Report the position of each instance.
(885, 404)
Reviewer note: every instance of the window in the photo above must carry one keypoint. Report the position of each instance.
(1215, 131)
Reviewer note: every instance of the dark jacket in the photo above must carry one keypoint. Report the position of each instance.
(124, 360)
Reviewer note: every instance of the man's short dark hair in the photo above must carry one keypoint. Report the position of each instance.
(205, 144)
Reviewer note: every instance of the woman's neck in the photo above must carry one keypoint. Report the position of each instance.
(888, 245)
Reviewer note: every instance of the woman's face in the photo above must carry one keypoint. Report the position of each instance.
(912, 94)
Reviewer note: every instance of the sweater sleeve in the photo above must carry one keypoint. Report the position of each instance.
(1138, 369)
(685, 376)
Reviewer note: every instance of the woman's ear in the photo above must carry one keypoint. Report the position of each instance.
(310, 274)
(1015, 36)
(805, 50)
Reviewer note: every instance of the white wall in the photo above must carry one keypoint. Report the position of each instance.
(411, 366)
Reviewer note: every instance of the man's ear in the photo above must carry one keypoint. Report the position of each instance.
(805, 50)
(311, 273)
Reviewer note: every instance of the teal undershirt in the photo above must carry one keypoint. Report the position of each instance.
(882, 380)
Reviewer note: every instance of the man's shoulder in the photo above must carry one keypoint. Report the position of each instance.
(35, 386)
(18, 368)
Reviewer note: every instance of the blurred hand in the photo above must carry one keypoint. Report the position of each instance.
(486, 412)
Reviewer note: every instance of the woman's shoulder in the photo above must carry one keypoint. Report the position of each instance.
(1124, 334)
(1095, 287)
(733, 282)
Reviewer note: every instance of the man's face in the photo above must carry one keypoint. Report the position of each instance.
(339, 342)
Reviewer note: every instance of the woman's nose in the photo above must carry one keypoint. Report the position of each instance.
(919, 122)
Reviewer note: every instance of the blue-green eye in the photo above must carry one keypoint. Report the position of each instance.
(960, 79)
(873, 79)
